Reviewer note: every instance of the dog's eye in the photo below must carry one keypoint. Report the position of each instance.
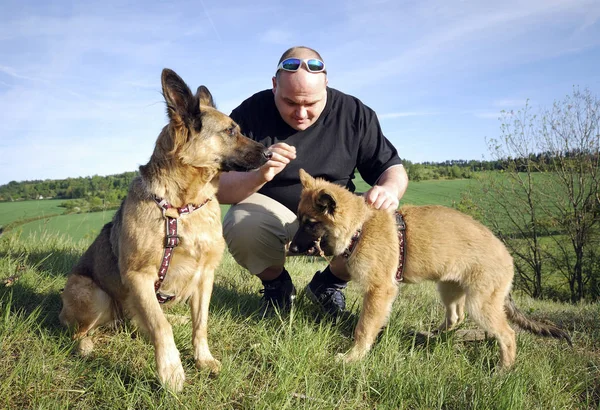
(309, 224)
(231, 131)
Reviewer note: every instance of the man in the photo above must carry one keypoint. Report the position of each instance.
(330, 134)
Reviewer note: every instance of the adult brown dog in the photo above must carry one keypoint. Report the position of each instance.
(118, 276)
(472, 267)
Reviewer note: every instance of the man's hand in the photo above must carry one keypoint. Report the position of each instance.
(388, 189)
(282, 155)
(382, 198)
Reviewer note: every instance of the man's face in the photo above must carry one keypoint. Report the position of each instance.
(300, 97)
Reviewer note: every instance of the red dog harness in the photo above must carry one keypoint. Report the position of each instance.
(171, 241)
(401, 225)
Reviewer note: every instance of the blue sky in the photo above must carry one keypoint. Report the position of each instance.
(80, 81)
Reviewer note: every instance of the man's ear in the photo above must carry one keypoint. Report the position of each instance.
(325, 203)
(274, 80)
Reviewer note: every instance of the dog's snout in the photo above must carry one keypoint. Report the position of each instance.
(294, 248)
(267, 154)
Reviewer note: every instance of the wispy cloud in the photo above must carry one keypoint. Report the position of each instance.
(11, 72)
(392, 115)
(488, 115)
(276, 36)
(510, 103)
(478, 31)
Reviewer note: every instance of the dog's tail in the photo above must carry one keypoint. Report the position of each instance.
(533, 326)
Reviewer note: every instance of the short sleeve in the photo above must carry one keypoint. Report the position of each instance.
(376, 153)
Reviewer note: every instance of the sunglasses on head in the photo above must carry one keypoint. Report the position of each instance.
(314, 65)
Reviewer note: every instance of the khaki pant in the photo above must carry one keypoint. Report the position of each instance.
(258, 231)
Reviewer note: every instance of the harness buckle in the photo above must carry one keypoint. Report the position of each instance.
(171, 241)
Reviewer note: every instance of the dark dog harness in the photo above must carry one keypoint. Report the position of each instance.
(401, 226)
(171, 241)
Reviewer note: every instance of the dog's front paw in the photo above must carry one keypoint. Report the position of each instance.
(340, 357)
(211, 364)
(171, 375)
(351, 356)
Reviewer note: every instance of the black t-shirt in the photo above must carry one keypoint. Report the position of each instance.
(345, 137)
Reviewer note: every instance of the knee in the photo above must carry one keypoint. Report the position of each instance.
(242, 229)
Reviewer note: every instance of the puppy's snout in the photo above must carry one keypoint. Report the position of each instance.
(267, 154)
(294, 248)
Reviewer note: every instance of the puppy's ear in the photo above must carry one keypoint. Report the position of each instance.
(325, 203)
(178, 96)
(305, 178)
(205, 97)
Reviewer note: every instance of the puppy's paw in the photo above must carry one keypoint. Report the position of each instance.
(212, 364)
(85, 346)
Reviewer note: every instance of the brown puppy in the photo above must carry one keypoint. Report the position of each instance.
(472, 268)
(118, 276)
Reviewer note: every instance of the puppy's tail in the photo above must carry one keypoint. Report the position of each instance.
(533, 326)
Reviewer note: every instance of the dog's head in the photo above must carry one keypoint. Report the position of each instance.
(321, 217)
(199, 135)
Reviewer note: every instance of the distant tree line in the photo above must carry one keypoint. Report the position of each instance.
(113, 188)
(103, 191)
(450, 169)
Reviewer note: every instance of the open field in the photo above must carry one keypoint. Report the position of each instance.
(87, 225)
(432, 192)
(19, 210)
(278, 363)
(76, 226)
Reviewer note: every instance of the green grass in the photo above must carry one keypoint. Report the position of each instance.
(76, 226)
(433, 192)
(14, 211)
(278, 363)
(438, 192)
(286, 362)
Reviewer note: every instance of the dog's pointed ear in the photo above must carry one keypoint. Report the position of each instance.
(205, 97)
(325, 202)
(305, 178)
(178, 96)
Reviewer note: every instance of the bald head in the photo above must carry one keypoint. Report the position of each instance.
(301, 52)
(300, 96)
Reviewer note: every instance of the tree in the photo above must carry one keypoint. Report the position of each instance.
(415, 172)
(550, 187)
(509, 203)
(571, 135)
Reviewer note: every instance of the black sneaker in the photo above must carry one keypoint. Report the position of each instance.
(329, 297)
(278, 295)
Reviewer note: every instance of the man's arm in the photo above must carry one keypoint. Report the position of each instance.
(388, 189)
(237, 186)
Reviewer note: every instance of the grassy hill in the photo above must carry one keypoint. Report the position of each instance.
(281, 362)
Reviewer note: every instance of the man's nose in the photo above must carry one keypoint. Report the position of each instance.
(301, 112)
